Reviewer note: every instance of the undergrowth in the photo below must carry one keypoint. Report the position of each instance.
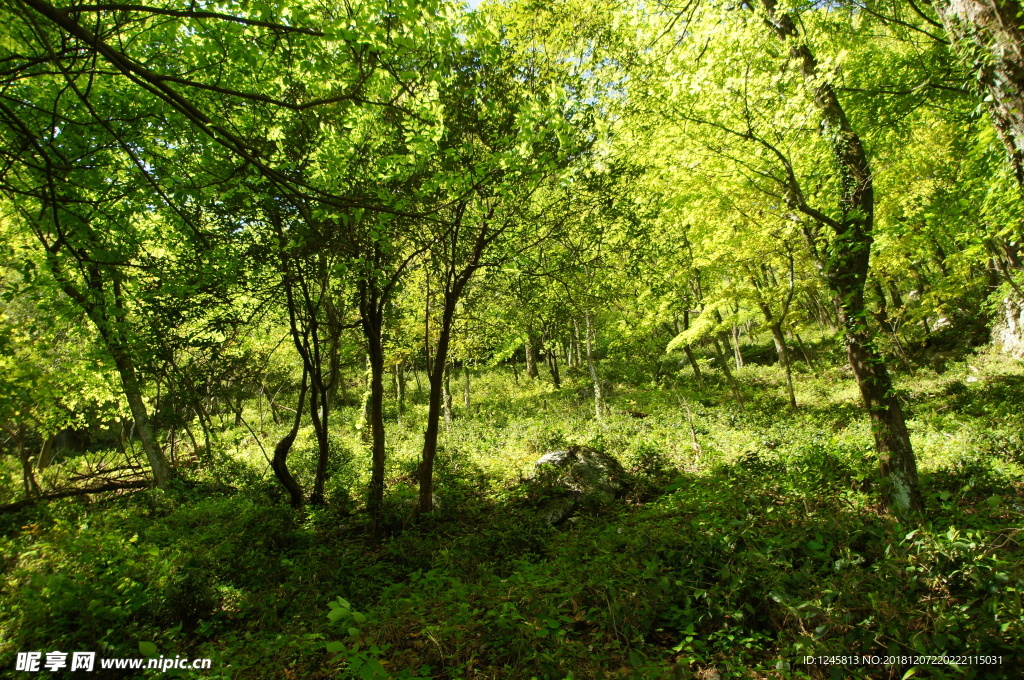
(747, 540)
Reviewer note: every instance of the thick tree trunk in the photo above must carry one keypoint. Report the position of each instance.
(892, 440)
(279, 464)
(988, 34)
(45, 454)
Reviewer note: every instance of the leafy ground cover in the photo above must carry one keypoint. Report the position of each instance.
(748, 540)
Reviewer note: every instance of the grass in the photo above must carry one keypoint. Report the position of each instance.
(765, 543)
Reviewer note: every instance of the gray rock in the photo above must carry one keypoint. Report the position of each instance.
(576, 478)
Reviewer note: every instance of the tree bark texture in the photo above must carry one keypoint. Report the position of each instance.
(988, 34)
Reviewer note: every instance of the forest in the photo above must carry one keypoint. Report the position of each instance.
(512, 340)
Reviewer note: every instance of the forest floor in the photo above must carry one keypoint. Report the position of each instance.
(749, 539)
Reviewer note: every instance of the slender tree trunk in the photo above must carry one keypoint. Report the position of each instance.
(455, 283)
(364, 425)
(372, 316)
(737, 353)
(599, 407)
(399, 370)
(515, 369)
(693, 363)
(552, 356)
(279, 464)
(803, 351)
(162, 473)
(446, 396)
(317, 409)
(724, 363)
(783, 354)
(192, 441)
(688, 349)
(378, 453)
(28, 477)
(577, 342)
(531, 357)
(465, 391)
(437, 379)
(45, 453)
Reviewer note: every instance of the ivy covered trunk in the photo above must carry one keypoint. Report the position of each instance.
(843, 259)
(988, 34)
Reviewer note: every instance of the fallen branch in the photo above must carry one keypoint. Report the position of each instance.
(24, 503)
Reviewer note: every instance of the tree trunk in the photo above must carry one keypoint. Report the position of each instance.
(737, 353)
(436, 379)
(531, 357)
(465, 391)
(693, 363)
(318, 414)
(363, 425)
(449, 416)
(988, 34)
(162, 473)
(724, 364)
(399, 371)
(783, 354)
(892, 440)
(688, 349)
(45, 454)
(372, 318)
(803, 351)
(549, 351)
(279, 464)
(599, 407)
(845, 266)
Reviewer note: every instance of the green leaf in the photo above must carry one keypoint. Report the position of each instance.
(336, 647)
(148, 649)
